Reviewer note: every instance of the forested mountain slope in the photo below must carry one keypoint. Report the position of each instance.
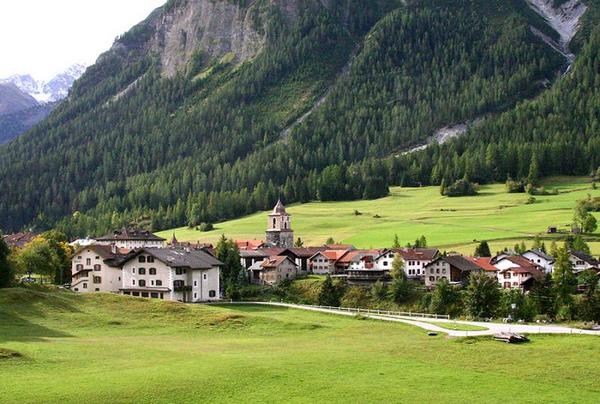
(181, 121)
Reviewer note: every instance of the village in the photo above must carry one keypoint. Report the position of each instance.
(138, 263)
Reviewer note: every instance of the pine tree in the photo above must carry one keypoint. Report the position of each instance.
(6, 270)
(483, 250)
(328, 294)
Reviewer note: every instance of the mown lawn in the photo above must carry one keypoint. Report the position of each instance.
(107, 348)
(449, 223)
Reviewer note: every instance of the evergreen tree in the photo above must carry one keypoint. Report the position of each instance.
(328, 295)
(6, 269)
(299, 243)
(396, 244)
(228, 253)
(483, 250)
(445, 299)
(564, 279)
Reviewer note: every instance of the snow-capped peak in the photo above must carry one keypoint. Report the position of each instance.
(52, 90)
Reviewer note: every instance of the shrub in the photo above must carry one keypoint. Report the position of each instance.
(461, 188)
(513, 187)
(205, 227)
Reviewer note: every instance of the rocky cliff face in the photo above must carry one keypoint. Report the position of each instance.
(176, 31)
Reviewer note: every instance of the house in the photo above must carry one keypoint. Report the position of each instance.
(97, 268)
(183, 275)
(302, 255)
(323, 262)
(416, 259)
(517, 272)
(455, 268)
(273, 270)
(540, 258)
(385, 259)
(251, 257)
(485, 263)
(364, 269)
(582, 261)
(18, 240)
(132, 238)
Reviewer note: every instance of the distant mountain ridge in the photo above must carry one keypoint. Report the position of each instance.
(25, 101)
(52, 90)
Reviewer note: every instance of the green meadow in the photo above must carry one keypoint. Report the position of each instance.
(449, 223)
(62, 347)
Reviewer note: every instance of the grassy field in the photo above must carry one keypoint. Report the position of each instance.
(61, 347)
(449, 223)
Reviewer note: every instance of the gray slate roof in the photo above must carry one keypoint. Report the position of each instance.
(179, 258)
(130, 234)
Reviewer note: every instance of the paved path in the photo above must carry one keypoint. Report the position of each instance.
(427, 324)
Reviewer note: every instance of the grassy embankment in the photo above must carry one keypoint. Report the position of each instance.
(62, 347)
(449, 223)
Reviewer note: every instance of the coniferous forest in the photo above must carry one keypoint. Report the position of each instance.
(219, 139)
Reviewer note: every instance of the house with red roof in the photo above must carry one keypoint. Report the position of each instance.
(516, 272)
(324, 262)
(273, 270)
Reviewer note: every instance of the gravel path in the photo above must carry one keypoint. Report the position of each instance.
(427, 324)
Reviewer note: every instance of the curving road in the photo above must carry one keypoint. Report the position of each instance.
(492, 328)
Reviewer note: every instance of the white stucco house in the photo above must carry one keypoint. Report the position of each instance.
(173, 274)
(96, 268)
(540, 258)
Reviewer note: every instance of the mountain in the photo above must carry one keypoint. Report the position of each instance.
(25, 101)
(210, 109)
(12, 99)
(51, 90)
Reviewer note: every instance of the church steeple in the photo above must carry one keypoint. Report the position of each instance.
(279, 227)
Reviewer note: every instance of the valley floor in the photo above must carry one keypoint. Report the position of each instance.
(453, 224)
(58, 346)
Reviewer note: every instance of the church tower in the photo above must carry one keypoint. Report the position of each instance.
(279, 228)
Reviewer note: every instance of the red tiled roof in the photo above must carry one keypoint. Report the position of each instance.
(418, 254)
(484, 263)
(339, 246)
(274, 262)
(523, 262)
(249, 244)
(18, 239)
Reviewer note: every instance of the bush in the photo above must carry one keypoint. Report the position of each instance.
(513, 187)
(530, 201)
(460, 188)
(355, 296)
(205, 227)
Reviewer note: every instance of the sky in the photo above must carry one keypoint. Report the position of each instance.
(44, 37)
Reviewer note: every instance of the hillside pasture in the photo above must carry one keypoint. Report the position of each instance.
(450, 223)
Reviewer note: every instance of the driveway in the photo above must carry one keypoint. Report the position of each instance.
(492, 328)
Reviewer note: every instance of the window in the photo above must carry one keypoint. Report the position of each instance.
(132, 270)
(136, 294)
(141, 258)
(204, 276)
(154, 295)
(507, 275)
(180, 271)
(97, 279)
(142, 271)
(385, 263)
(142, 283)
(85, 285)
(195, 283)
(158, 282)
(274, 222)
(133, 282)
(76, 289)
(152, 271)
(97, 290)
(79, 267)
(432, 278)
(437, 271)
(97, 267)
(178, 284)
(195, 295)
(149, 258)
(88, 261)
(79, 257)
(212, 293)
(97, 257)
(144, 294)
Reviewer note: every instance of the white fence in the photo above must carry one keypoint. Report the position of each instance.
(355, 310)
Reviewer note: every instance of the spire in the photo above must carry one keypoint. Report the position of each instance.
(174, 240)
(279, 208)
